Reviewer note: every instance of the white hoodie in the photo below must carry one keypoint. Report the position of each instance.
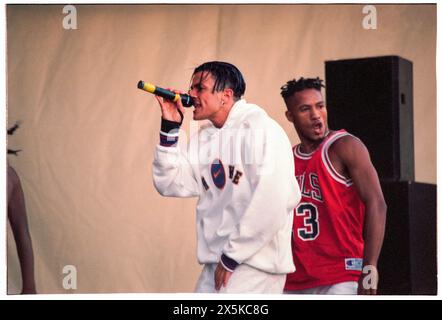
(244, 176)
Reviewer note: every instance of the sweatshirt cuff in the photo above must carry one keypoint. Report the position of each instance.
(228, 263)
(169, 133)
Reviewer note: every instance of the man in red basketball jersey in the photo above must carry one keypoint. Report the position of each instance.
(339, 224)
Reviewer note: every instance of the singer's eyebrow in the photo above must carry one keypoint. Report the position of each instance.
(197, 86)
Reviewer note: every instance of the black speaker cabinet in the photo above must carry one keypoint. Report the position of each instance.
(408, 260)
(372, 98)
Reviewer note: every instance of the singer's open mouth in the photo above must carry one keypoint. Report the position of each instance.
(318, 128)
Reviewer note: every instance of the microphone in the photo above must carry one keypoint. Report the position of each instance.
(166, 94)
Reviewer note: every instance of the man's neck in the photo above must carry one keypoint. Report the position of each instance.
(220, 117)
(309, 146)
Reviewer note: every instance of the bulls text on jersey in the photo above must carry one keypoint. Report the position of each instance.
(310, 186)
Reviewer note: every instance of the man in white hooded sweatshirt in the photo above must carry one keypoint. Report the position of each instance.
(240, 166)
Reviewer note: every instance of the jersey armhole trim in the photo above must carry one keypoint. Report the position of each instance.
(328, 164)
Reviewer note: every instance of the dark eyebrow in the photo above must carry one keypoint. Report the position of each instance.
(308, 105)
(197, 86)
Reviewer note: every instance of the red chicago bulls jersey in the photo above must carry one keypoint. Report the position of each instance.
(328, 222)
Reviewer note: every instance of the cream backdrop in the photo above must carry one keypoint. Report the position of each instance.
(88, 134)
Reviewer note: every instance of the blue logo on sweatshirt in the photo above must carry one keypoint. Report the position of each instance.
(218, 174)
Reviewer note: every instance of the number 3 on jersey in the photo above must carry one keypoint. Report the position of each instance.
(310, 230)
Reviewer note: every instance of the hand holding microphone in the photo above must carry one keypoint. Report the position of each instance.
(172, 103)
(186, 100)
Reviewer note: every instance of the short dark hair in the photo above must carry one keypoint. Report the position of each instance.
(226, 75)
(294, 85)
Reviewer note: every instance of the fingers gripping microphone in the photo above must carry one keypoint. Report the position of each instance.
(166, 94)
